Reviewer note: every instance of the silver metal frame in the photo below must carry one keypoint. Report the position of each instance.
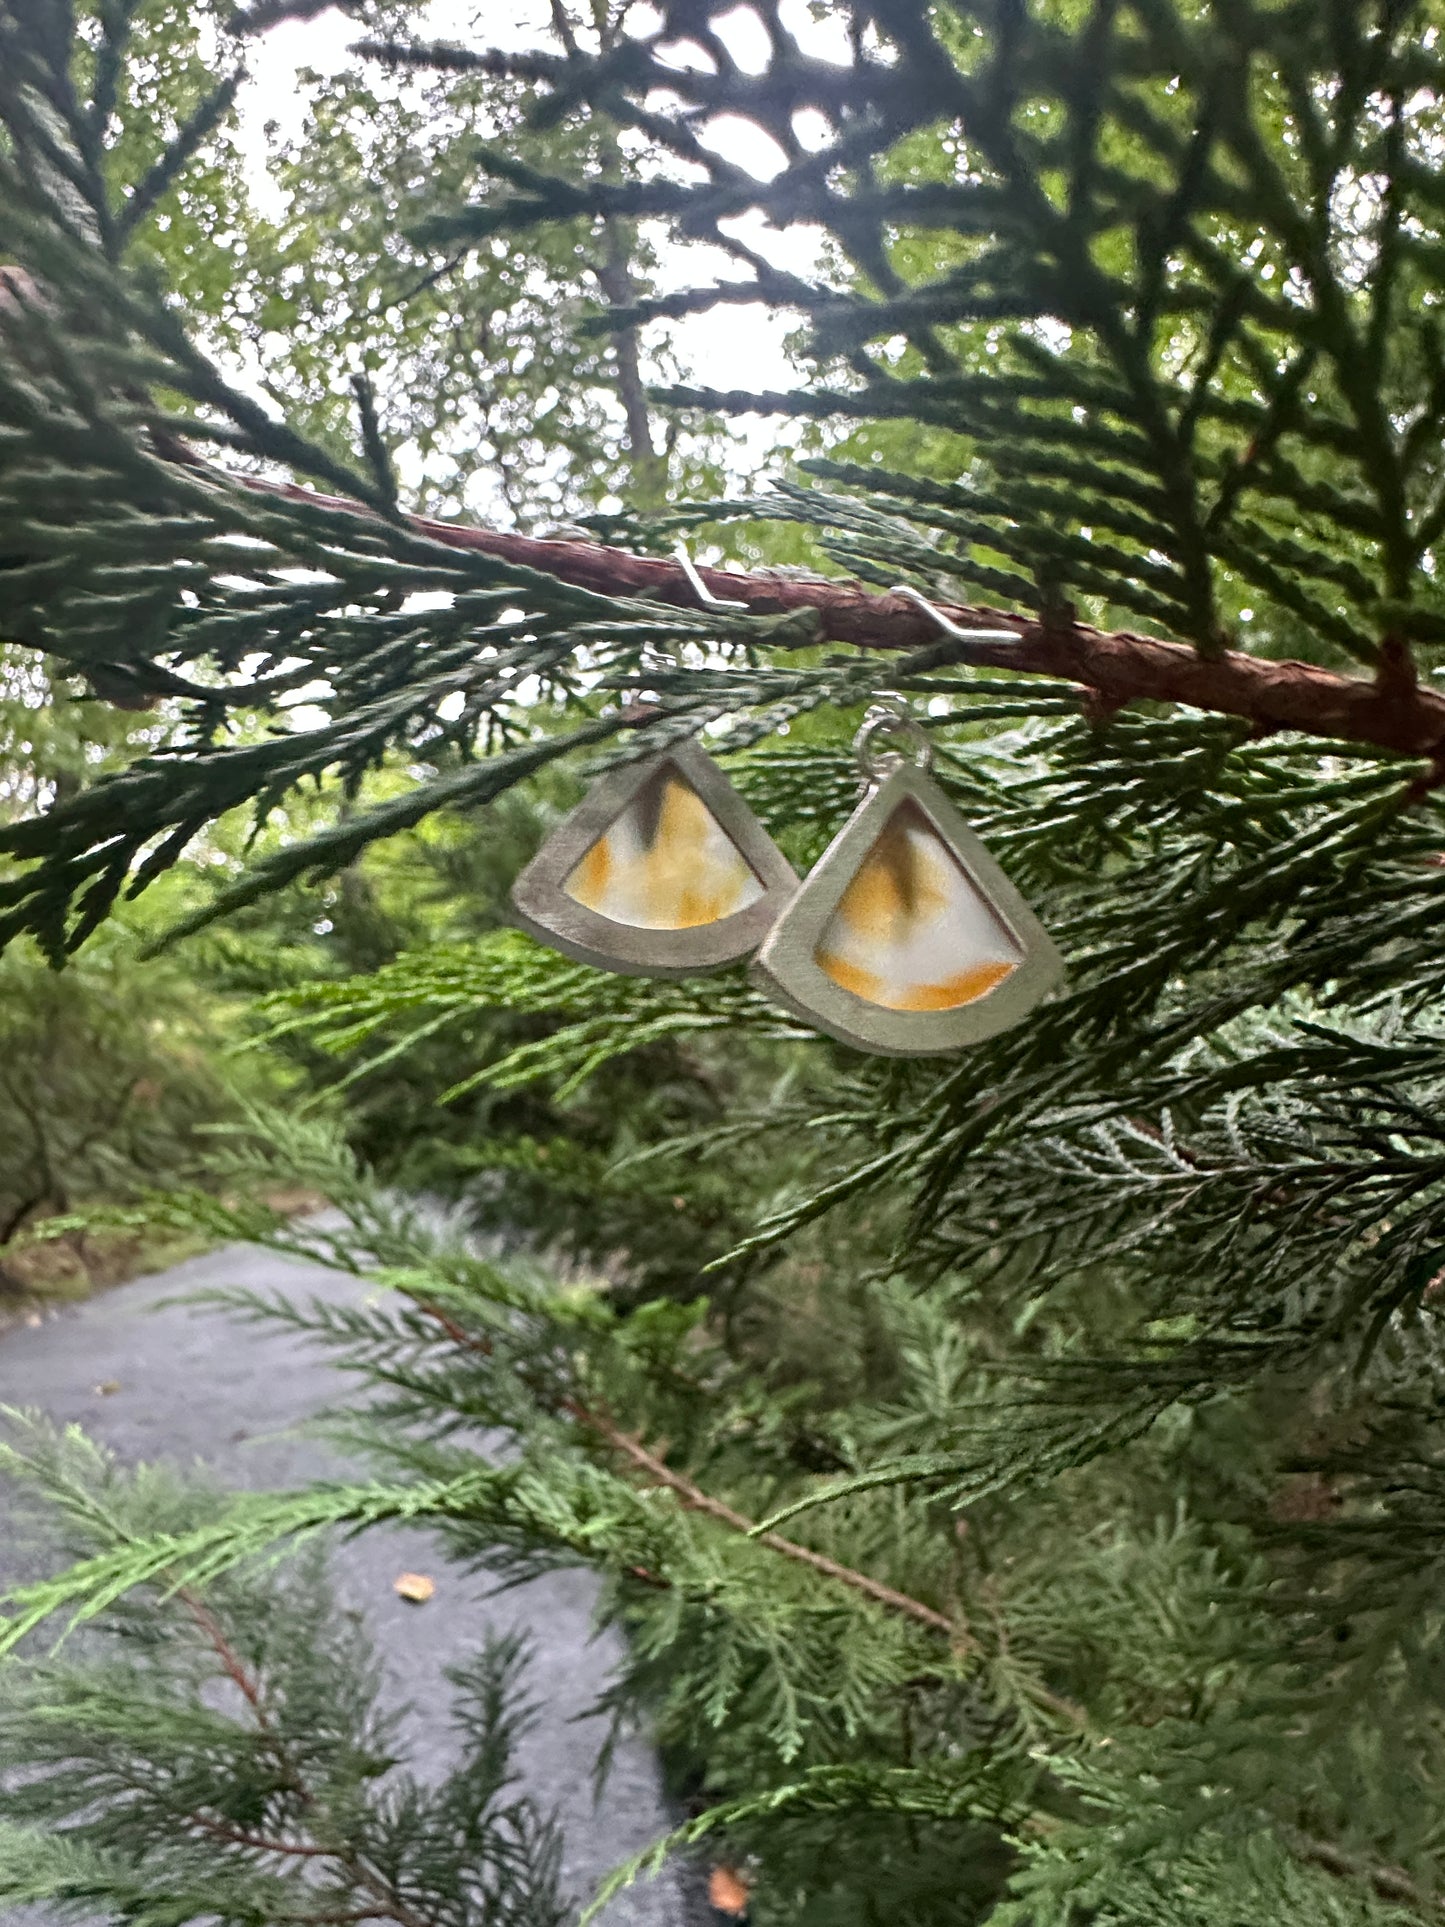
(787, 966)
(544, 910)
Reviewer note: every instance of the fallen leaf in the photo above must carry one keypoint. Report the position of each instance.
(107, 1388)
(414, 1586)
(728, 1892)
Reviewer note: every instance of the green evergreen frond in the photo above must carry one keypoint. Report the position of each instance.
(193, 1558)
(74, 1879)
(221, 1750)
(509, 973)
(967, 1789)
(1189, 1863)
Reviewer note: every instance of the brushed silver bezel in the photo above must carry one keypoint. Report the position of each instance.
(544, 910)
(787, 968)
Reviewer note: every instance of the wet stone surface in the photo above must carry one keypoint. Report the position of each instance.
(154, 1381)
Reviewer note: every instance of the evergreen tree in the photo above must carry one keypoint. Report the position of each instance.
(1043, 1524)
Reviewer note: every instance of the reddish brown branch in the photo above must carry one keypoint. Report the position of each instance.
(696, 1500)
(1113, 667)
(1393, 713)
(231, 1663)
(260, 1842)
(389, 1904)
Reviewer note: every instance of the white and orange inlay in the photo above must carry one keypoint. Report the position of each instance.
(911, 932)
(666, 863)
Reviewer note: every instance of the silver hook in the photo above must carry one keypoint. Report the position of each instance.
(949, 627)
(699, 588)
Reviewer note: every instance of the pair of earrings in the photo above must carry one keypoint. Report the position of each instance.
(906, 939)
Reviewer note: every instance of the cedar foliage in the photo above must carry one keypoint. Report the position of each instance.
(225, 1757)
(1052, 1528)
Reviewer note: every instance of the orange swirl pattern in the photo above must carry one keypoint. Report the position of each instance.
(911, 932)
(666, 863)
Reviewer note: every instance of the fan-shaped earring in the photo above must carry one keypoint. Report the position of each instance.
(907, 938)
(660, 871)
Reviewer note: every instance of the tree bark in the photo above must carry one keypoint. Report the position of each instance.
(1116, 667)
(1392, 712)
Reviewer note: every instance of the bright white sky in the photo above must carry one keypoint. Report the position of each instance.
(732, 348)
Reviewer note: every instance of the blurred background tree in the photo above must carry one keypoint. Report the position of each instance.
(495, 399)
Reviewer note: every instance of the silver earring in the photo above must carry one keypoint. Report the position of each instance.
(907, 939)
(662, 870)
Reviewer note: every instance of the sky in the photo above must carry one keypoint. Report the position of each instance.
(732, 348)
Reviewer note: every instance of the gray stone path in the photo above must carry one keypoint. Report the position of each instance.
(192, 1384)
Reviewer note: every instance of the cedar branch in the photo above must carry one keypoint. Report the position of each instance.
(390, 1904)
(259, 1842)
(1114, 666)
(696, 1500)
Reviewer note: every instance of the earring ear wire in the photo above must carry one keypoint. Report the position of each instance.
(662, 870)
(699, 588)
(946, 623)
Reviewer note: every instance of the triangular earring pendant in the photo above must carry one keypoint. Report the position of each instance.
(660, 871)
(907, 939)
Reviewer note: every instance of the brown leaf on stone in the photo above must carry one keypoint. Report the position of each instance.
(414, 1587)
(727, 1891)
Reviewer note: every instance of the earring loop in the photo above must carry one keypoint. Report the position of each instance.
(890, 718)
